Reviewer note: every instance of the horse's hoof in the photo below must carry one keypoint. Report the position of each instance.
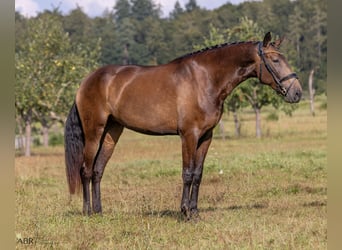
(186, 212)
(86, 211)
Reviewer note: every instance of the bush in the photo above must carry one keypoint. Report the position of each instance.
(324, 105)
(272, 117)
(36, 141)
(56, 139)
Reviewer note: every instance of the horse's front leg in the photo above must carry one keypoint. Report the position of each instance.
(189, 144)
(203, 146)
(187, 176)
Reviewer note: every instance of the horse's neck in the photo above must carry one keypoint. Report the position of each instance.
(229, 66)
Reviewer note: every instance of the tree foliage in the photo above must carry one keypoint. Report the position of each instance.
(48, 71)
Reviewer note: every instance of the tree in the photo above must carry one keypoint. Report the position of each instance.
(311, 93)
(138, 33)
(154, 41)
(308, 32)
(124, 42)
(48, 69)
(187, 30)
(122, 10)
(191, 6)
(141, 9)
(104, 28)
(146, 21)
(274, 15)
(177, 10)
(78, 25)
(297, 25)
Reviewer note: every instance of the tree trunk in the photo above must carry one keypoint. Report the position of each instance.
(221, 128)
(237, 124)
(257, 122)
(45, 136)
(126, 55)
(20, 138)
(311, 93)
(28, 135)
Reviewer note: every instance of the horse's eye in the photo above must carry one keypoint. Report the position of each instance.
(275, 60)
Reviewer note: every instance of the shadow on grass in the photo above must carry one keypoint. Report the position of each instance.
(315, 204)
(178, 215)
(73, 213)
(248, 206)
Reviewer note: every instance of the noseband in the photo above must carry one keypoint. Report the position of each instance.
(281, 89)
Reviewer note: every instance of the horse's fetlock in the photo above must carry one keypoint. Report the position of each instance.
(97, 176)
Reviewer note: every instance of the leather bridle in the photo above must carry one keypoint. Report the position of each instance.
(280, 88)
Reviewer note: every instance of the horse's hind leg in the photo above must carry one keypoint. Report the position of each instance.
(111, 137)
(93, 124)
(92, 143)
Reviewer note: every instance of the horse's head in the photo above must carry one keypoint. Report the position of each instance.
(275, 71)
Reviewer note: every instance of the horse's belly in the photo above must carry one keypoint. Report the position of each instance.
(155, 119)
(149, 124)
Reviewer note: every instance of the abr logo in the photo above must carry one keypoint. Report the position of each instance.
(25, 241)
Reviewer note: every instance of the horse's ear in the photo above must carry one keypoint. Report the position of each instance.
(267, 39)
(278, 42)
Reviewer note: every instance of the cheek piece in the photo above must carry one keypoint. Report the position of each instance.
(280, 88)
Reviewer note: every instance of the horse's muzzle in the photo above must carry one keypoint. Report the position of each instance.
(294, 92)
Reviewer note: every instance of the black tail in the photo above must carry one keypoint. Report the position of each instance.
(73, 145)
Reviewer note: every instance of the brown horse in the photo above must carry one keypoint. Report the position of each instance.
(183, 97)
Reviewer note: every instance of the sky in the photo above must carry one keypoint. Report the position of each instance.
(30, 8)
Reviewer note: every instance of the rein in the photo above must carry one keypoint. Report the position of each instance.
(281, 89)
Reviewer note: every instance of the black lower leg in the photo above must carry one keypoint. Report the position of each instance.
(185, 207)
(185, 204)
(193, 200)
(86, 196)
(96, 194)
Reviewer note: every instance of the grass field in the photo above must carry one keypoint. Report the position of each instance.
(269, 193)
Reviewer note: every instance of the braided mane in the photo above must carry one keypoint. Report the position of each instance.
(214, 47)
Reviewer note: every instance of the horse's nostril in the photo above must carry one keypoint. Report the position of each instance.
(298, 95)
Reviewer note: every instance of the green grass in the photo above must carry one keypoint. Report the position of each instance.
(269, 193)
